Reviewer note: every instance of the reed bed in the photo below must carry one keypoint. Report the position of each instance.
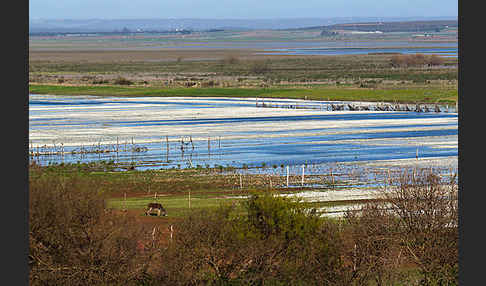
(59, 150)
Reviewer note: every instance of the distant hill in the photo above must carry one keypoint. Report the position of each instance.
(408, 26)
(118, 25)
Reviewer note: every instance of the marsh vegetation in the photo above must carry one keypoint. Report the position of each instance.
(76, 238)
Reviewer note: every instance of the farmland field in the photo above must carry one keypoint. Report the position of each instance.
(272, 152)
(253, 101)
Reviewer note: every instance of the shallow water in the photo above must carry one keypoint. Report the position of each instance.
(296, 44)
(240, 134)
(447, 51)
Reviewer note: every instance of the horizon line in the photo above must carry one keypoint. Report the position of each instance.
(269, 18)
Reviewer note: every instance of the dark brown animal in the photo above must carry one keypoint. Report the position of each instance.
(155, 209)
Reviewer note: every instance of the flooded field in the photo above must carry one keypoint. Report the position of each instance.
(258, 135)
(442, 51)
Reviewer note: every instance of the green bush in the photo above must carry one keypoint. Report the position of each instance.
(278, 241)
(280, 216)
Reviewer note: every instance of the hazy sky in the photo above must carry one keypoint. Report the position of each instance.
(237, 9)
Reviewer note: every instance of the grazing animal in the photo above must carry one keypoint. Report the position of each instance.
(155, 209)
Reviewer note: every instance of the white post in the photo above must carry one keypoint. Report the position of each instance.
(287, 176)
(189, 199)
(302, 183)
(167, 146)
(241, 182)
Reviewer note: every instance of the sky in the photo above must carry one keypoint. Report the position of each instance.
(238, 9)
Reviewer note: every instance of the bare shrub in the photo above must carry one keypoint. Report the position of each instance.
(414, 60)
(74, 240)
(372, 245)
(435, 60)
(419, 219)
(427, 211)
(231, 60)
(122, 81)
(209, 83)
(397, 61)
(88, 78)
(100, 81)
(259, 67)
(369, 84)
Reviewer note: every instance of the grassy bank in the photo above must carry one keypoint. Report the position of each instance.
(409, 95)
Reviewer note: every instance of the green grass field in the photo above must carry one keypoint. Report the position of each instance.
(175, 205)
(410, 95)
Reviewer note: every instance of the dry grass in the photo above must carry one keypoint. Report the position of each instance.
(231, 68)
(107, 56)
